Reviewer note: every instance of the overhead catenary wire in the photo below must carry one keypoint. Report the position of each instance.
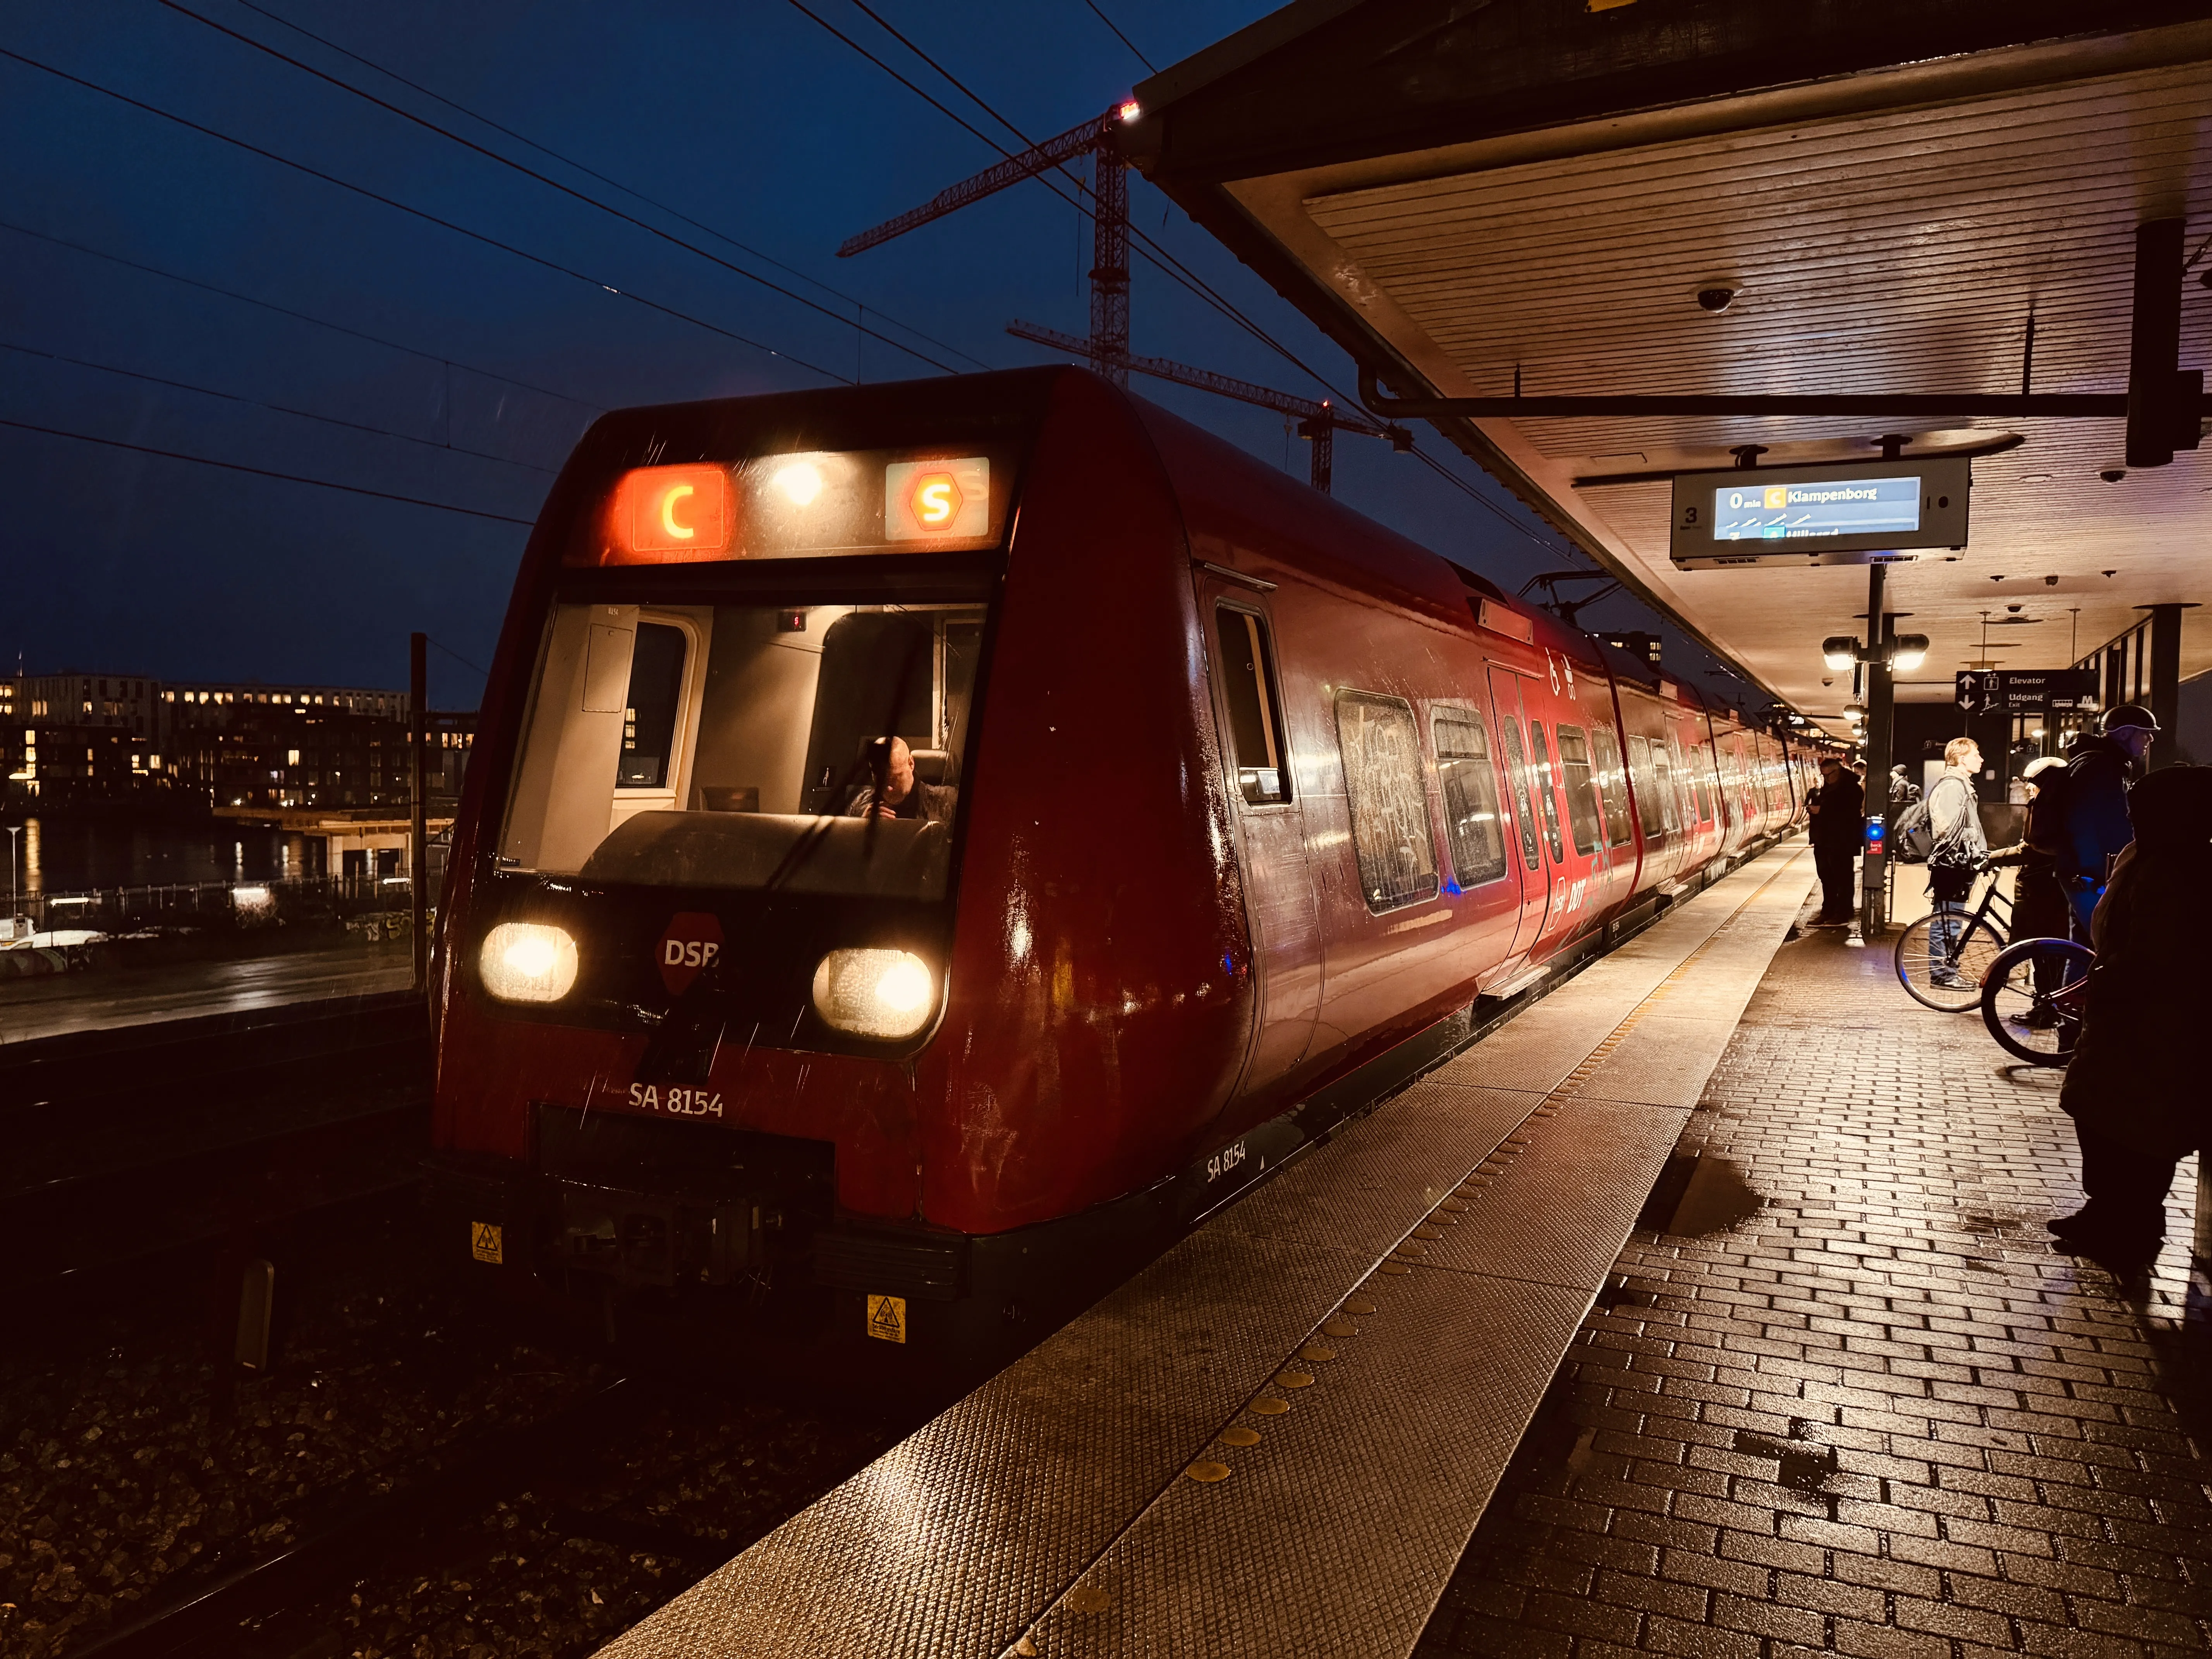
(630, 191)
(1151, 251)
(458, 229)
(263, 471)
(1149, 68)
(1189, 280)
(549, 182)
(297, 316)
(280, 408)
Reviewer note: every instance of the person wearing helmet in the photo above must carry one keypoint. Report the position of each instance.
(2136, 1087)
(2099, 770)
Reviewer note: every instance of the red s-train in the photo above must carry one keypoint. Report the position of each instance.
(926, 843)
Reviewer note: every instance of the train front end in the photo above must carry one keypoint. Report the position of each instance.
(701, 1065)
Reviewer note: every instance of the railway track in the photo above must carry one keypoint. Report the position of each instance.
(278, 1603)
(130, 1145)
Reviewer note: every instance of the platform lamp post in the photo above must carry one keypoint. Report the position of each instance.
(418, 849)
(1884, 652)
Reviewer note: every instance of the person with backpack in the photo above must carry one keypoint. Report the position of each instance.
(2099, 770)
(2136, 1087)
(1957, 850)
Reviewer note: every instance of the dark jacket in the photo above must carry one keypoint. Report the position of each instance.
(2039, 908)
(933, 802)
(1838, 820)
(2136, 1075)
(2098, 773)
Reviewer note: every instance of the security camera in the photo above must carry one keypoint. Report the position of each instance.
(1717, 299)
(2113, 474)
(2015, 608)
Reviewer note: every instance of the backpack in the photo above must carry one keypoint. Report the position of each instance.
(1911, 837)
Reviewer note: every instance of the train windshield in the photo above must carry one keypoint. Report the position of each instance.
(812, 749)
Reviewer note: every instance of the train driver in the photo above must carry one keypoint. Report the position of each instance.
(896, 793)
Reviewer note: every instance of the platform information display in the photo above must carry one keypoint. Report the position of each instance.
(1798, 511)
(1845, 512)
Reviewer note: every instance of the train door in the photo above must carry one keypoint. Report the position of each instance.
(1271, 837)
(1527, 831)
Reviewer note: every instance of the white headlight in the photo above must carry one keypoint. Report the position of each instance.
(877, 994)
(527, 961)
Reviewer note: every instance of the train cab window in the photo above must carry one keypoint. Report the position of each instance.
(1256, 717)
(1582, 796)
(815, 749)
(1390, 831)
(1613, 785)
(652, 707)
(1470, 789)
(1541, 758)
(1516, 772)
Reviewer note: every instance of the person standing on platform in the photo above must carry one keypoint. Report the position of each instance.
(2039, 909)
(2137, 1087)
(2099, 771)
(1838, 829)
(1903, 792)
(1957, 848)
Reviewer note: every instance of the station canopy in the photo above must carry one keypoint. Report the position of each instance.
(1910, 199)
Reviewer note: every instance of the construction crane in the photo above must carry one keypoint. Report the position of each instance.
(1109, 218)
(1108, 347)
(1318, 420)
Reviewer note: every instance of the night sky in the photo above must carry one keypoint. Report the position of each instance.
(480, 366)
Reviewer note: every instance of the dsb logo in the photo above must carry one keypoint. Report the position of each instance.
(692, 941)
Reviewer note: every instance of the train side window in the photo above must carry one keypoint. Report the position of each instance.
(1545, 795)
(1255, 714)
(1517, 773)
(1478, 845)
(1654, 784)
(649, 711)
(1582, 796)
(1612, 786)
(1390, 831)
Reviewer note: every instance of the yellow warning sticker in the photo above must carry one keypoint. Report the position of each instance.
(887, 1318)
(485, 1241)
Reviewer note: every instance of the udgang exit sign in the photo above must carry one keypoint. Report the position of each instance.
(2025, 691)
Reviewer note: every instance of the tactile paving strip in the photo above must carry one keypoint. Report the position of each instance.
(956, 1540)
(1336, 1531)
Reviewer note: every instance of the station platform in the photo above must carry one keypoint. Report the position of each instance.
(1831, 1392)
(1278, 1436)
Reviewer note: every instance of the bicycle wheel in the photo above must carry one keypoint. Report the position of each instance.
(2032, 999)
(1945, 970)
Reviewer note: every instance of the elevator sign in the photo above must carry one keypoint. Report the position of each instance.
(2027, 691)
(1856, 512)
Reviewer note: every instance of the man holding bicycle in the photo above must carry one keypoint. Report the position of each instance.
(1957, 848)
(2099, 770)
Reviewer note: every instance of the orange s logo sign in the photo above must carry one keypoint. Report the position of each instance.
(936, 499)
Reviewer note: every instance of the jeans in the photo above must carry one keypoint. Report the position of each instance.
(1950, 886)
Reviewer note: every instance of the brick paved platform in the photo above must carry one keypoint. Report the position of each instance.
(1877, 1415)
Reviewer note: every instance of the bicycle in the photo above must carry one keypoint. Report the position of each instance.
(2033, 996)
(1943, 958)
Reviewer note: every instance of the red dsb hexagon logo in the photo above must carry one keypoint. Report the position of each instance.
(694, 939)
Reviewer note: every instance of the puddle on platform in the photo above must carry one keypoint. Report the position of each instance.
(1805, 1465)
(1713, 1196)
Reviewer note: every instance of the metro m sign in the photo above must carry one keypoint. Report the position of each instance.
(691, 945)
